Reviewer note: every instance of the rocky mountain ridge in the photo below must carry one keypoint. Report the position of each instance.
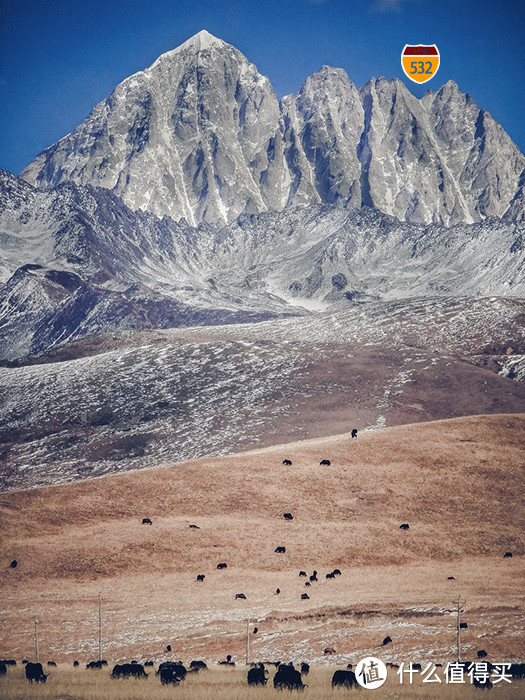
(201, 135)
(76, 261)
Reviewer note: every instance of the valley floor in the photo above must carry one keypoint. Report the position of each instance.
(457, 483)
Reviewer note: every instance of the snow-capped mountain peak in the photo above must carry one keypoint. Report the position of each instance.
(201, 41)
(201, 135)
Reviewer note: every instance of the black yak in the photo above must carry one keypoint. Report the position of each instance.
(128, 670)
(345, 679)
(171, 672)
(257, 675)
(35, 672)
(288, 677)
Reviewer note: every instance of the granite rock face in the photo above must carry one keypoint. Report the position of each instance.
(200, 135)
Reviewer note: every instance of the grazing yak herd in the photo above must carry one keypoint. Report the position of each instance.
(287, 676)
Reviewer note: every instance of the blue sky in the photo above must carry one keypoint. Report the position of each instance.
(58, 58)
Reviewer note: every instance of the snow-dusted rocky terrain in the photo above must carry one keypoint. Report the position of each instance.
(149, 398)
(203, 270)
(200, 134)
(76, 261)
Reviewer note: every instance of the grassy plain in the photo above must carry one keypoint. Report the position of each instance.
(458, 483)
(66, 683)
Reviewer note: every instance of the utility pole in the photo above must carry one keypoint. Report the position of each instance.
(247, 642)
(100, 626)
(36, 637)
(458, 603)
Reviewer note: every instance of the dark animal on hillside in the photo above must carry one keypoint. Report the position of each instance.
(171, 673)
(344, 679)
(128, 671)
(97, 664)
(257, 675)
(336, 572)
(387, 640)
(228, 661)
(354, 432)
(482, 685)
(199, 665)
(324, 463)
(305, 669)
(451, 578)
(404, 526)
(302, 573)
(305, 596)
(222, 566)
(195, 527)
(166, 664)
(25, 661)
(288, 677)
(277, 591)
(307, 583)
(313, 577)
(463, 625)
(3, 668)
(146, 521)
(280, 550)
(329, 650)
(240, 595)
(8, 662)
(332, 575)
(13, 564)
(168, 647)
(255, 630)
(288, 462)
(482, 654)
(287, 516)
(517, 670)
(35, 672)
(76, 663)
(201, 577)
(51, 663)
(148, 663)
(507, 555)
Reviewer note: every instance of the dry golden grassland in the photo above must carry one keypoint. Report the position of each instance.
(458, 483)
(67, 683)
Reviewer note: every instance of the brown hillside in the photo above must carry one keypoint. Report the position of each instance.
(458, 483)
